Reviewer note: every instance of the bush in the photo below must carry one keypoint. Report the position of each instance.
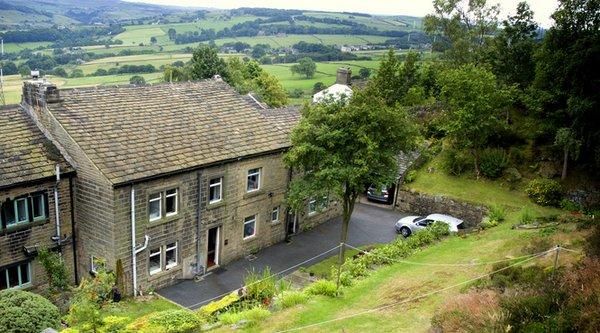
(488, 222)
(493, 162)
(513, 177)
(292, 298)
(497, 212)
(410, 176)
(260, 287)
(168, 321)
(322, 287)
(219, 306)
(545, 192)
(456, 162)
(113, 324)
(253, 316)
(526, 216)
(570, 206)
(22, 311)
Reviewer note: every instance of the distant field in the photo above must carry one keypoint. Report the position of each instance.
(17, 47)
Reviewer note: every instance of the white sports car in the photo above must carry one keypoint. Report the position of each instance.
(407, 225)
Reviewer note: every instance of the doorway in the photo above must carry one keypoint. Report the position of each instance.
(292, 224)
(212, 252)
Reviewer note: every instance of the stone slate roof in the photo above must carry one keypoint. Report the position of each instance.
(284, 118)
(136, 132)
(25, 153)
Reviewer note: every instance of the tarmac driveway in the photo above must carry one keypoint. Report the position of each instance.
(369, 225)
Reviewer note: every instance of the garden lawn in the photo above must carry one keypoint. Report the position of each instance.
(399, 282)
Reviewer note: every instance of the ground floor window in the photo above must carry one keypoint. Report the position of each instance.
(17, 276)
(163, 258)
(249, 226)
(275, 215)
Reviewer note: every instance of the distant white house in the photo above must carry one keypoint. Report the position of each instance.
(337, 90)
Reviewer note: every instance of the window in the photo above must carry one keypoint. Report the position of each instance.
(249, 226)
(154, 206)
(17, 276)
(275, 215)
(253, 180)
(215, 191)
(96, 263)
(38, 207)
(155, 264)
(21, 211)
(312, 206)
(171, 202)
(171, 255)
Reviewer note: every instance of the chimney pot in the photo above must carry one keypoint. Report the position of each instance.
(343, 76)
(35, 74)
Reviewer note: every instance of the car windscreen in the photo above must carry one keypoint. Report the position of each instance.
(417, 218)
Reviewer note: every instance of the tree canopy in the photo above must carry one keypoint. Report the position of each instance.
(305, 66)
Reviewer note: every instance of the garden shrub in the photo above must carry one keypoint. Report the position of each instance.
(292, 298)
(219, 306)
(89, 298)
(113, 324)
(322, 287)
(253, 316)
(410, 176)
(512, 177)
(493, 162)
(22, 311)
(456, 162)
(545, 192)
(168, 321)
(497, 213)
(260, 287)
(526, 216)
(487, 223)
(570, 206)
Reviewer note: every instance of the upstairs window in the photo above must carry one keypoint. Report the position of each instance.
(215, 190)
(253, 180)
(29, 208)
(171, 202)
(154, 207)
(163, 204)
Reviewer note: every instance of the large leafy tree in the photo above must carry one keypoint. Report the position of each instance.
(568, 74)
(305, 66)
(340, 146)
(395, 78)
(465, 26)
(513, 48)
(247, 76)
(472, 102)
(206, 63)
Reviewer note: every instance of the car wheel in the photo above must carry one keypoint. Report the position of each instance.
(405, 231)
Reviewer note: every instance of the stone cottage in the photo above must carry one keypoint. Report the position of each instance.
(173, 180)
(35, 202)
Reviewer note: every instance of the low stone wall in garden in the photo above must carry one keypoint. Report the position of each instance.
(423, 204)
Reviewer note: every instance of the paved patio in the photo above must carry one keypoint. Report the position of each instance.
(369, 224)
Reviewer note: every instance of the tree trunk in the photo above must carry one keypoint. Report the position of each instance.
(476, 160)
(563, 176)
(349, 200)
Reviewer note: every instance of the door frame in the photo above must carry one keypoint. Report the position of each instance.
(217, 247)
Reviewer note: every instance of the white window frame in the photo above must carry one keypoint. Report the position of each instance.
(21, 283)
(17, 217)
(167, 249)
(176, 195)
(42, 206)
(312, 207)
(160, 260)
(159, 199)
(93, 267)
(247, 220)
(220, 185)
(275, 210)
(257, 174)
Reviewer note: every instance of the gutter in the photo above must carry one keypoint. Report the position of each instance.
(134, 248)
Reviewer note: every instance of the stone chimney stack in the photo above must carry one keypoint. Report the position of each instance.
(39, 92)
(343, 76)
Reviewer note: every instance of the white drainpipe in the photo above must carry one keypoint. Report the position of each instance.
(57, 213)
(134, 248)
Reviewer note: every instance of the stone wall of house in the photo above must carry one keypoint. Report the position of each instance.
(227, 214)
(38, 234)
(424, 204)
(93, 193)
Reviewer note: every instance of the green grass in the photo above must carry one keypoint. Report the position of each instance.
(17, 47)
(135, 309)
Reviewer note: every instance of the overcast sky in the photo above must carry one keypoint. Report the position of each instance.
(542, 8)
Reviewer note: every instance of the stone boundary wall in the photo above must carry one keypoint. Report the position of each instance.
(424, 204)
